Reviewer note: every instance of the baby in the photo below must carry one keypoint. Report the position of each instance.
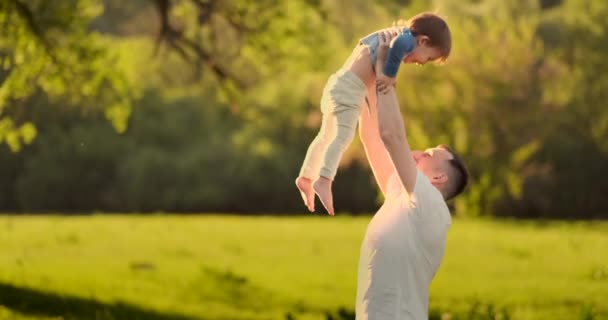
(424, 38)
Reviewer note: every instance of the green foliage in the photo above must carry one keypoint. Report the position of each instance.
(14, 136)
(84, 165)
(46, 47)
(73, 169)
(228, 103)
(520, 85)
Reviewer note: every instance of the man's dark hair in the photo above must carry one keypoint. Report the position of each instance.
(459, 176)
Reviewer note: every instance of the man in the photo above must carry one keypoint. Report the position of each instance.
(405, 240)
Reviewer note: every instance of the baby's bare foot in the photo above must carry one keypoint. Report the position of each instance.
(307, 193)
(323, 189)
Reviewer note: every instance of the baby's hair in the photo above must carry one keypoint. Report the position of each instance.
(432, 26)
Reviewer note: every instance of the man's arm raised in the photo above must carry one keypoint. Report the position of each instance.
(392, 132)
(378, 158)
(390, 124)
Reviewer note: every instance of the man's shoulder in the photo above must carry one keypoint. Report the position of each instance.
(428, 198)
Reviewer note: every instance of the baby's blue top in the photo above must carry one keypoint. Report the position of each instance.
(402, 45)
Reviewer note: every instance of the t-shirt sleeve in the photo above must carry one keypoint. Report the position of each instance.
(402, 45)
(430, 205)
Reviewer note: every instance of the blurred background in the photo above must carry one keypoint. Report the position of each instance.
(197, 106)
(113, 113)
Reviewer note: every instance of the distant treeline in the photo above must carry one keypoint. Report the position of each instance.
(217, 116)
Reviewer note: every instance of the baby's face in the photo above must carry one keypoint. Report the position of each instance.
(422, 54)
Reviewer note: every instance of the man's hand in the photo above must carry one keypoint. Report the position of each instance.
(383, 82)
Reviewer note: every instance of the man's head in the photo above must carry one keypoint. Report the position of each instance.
(433, 39)
(444, 169)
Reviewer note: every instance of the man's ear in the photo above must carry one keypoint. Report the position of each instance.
(439, 179)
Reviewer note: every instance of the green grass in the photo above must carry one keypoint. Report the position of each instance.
(231, 267)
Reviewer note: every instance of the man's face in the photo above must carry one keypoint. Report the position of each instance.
(432, 161)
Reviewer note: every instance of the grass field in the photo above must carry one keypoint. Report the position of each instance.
(232, 267)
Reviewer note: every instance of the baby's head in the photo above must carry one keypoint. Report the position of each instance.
(433, 39)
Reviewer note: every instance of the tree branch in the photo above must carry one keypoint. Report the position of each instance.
(176, 40)
(24, 12)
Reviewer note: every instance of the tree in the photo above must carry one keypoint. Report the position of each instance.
(45, 47)
(50, 47)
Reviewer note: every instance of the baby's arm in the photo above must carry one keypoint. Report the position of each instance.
(400, 45)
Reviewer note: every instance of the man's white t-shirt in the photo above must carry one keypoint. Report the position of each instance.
(401, 252)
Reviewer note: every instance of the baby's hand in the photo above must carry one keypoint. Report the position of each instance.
(384, 83)
(385, 37)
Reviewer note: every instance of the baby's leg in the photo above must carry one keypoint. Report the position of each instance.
(313, 159)
(346, 124)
